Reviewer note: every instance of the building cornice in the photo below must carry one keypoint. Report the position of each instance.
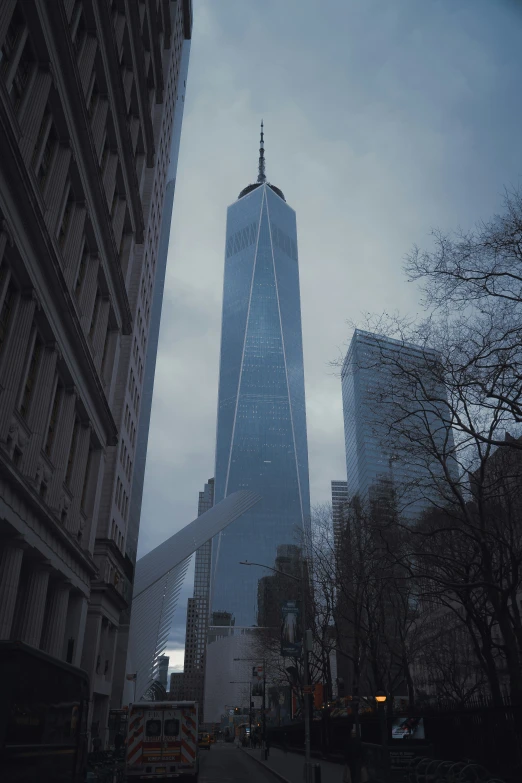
(107, 40)
(107, 590)
(38, 235)
(20, 485)
(108, 545)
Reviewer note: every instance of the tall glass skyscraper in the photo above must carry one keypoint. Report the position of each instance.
(261, 424)
(377, 460)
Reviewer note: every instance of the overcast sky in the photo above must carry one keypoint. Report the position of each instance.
(383, 119)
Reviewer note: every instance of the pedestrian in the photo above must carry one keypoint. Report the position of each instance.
(285, 742)
(355, 770)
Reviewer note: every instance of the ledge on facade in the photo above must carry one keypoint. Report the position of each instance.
(107, 589)
(104, 545)
(20, 485)
(38, 236)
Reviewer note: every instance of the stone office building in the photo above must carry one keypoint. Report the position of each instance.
(87, 100)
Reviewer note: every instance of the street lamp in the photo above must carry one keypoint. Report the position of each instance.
(263, 732)
(306, 684)
(246, 682)
(380, 698)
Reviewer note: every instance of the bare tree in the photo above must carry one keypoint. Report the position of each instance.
(372, 620)
(473, 280)
(447, 664)
(429, 409)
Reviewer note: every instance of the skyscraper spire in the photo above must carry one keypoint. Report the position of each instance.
(261, 177)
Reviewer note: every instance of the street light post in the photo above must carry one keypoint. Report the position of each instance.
(306, 678)
(246, 682)
(380, 698)
(263, 730)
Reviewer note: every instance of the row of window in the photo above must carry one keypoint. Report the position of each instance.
(121, 498)
(117, 536)
(129, 425)
(133, 389)
(137, 360)
(29, 385)
(126, 460)
(47, 146)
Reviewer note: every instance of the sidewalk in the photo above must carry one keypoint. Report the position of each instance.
(289, 766)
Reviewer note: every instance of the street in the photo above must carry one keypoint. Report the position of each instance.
(225, 763)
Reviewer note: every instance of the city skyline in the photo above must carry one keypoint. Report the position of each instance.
(389, 148)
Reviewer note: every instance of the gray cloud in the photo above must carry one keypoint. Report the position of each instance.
(382, 120)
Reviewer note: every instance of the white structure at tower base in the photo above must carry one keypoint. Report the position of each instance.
(157, 583)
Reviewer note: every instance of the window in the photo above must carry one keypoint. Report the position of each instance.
(80, 277)
(46, 158)
(21, 76)
(53, 420)
(115, 199)
(79, 34)
(86, 477)
(153, 728)
(66, 217)
(93, 102)
(30, 380)
(105, 155)
(72, 450)
(171, 728)
(42, 137)
(95, 311)
(14, 30)
(6, 312)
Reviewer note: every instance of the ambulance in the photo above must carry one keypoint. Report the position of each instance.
(162, 741)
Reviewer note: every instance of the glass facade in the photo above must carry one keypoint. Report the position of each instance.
(374, 461)
(261, 428)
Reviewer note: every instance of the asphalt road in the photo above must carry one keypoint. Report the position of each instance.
(224, 763)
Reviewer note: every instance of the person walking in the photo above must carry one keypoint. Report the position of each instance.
(355, 770)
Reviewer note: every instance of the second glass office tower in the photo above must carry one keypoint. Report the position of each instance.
(261, 426)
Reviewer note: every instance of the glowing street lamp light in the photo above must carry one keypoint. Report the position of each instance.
(380, 698)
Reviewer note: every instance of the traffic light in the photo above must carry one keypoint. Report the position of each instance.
(236, 710)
